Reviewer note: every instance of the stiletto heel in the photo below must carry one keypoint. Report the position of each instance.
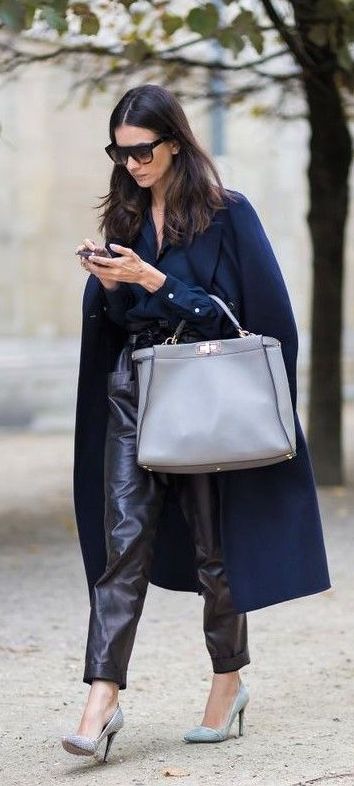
(110, 739)
(88, 746)
(240, 722)
(208, 734)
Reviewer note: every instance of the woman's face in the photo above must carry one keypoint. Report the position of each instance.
(159, 169)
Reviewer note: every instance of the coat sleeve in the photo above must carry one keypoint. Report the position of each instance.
(266, 307)
(118, 301)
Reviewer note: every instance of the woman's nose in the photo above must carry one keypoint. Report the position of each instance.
(131, 164)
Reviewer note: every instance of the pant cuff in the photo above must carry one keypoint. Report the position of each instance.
(222, 665)
(98, 671)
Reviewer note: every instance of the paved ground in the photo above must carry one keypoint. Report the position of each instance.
(299, 725)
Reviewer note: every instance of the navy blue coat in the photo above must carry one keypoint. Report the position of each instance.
(270, 524)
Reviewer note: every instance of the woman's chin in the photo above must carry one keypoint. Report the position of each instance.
(142, 180)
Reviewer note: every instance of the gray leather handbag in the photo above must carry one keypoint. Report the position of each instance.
(211, 406)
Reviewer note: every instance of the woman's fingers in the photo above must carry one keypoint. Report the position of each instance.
(126, 268)
(121, 249)
(101, 260)
(90, 245)
(104, 269)
(98, 250)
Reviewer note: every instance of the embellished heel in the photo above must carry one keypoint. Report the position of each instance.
(88, 746)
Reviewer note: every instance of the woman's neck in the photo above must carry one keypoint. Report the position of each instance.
(157, 201)
(158, 192)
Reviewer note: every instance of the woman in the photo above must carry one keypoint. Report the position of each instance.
(244, 539)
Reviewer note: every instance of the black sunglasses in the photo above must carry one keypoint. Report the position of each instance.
(141, 153)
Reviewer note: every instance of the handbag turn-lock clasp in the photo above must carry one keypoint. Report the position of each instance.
(208, 348)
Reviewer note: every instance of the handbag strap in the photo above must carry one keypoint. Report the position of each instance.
(231, 316)
(173, 339)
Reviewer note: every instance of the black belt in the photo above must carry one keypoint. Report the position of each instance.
(137, 327)
(149, 333)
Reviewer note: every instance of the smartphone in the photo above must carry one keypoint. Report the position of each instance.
(87, 254)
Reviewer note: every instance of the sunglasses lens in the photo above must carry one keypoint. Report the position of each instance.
(119, 156)
(140, 154)
(143, 155)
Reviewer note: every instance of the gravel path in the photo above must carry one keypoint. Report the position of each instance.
(299, 724)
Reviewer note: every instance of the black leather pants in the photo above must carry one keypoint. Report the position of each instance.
(133, 501)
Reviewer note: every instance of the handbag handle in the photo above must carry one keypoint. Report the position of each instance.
(173, 339)
(242, 332)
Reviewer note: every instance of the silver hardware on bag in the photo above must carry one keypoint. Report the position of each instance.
(208, 347)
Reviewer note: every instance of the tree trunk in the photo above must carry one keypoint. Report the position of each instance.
(330, 156)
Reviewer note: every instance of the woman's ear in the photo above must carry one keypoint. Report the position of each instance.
(175, 147)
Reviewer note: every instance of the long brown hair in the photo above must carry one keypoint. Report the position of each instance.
(191, 199)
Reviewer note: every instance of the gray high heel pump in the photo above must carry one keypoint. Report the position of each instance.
(208, 734)
(87, 746)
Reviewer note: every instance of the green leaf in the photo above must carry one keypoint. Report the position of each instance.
(230, 39)
(30, 7)
(80, 9)
(136, 51)
(30, 12)
(344, 59)
(54, 19)
(258, 110)
(60, 6)
(257, 40)
(203, 20)
(226, 37)
(318, 35)
(90, 24)
(244, 22)
(171, 23)
(137, 17)
(245, 25)
(12, 14)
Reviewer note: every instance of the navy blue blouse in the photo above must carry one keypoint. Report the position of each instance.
(179, 297)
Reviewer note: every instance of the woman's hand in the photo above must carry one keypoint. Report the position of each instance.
(99, 251)
(128, 267)
(90, 245)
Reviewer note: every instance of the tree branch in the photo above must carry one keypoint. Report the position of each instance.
(291, 39)
(296, 75)
(20, 58)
